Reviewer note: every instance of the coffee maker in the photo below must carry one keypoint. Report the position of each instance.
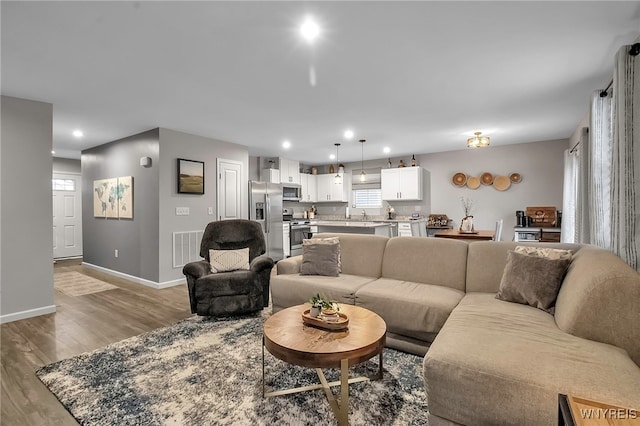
(521, 219)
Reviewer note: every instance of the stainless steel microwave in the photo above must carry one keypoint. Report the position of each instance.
(291, 192)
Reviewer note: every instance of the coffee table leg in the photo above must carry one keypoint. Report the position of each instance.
(343, 416)
(379, 365)
(263, 366)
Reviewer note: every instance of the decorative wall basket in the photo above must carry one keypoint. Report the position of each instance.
(500, 182)
(473, 182)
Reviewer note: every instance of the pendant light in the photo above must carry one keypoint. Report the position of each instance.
(337, 179)
(363, 175)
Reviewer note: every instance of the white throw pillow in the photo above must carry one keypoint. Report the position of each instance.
(229, 260)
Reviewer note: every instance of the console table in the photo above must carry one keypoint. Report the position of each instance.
(479, 235)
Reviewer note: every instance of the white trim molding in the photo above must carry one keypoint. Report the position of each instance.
(135, 279)
(29, 313)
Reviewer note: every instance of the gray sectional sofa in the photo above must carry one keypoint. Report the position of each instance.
(489, 361)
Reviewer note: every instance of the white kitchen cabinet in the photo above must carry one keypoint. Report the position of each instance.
(270, 175)
(329, 191)
(289, 171)
(403, 183)
(309, 187)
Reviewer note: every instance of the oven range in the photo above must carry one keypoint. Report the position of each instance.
(299, 229)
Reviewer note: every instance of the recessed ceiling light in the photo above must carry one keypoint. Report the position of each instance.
(332, 156)
(309, 30)
(78, 133)
(286, 144)
(348, 134)
(386, 150)
(53, 152)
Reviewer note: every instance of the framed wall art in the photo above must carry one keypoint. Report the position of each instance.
(190, 176)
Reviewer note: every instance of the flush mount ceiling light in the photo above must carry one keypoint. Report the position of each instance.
(337, 179)
(348, 134)
(386, 150)
(78, 133)
(286, 144)
(478, 141)
(309, 30)
(363, 175)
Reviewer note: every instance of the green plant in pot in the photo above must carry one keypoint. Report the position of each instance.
(320, 304)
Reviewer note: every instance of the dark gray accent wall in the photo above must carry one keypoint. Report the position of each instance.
(26, 253)
(135, 239)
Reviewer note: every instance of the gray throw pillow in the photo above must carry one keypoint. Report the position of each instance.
(320, 259)
(532, 280)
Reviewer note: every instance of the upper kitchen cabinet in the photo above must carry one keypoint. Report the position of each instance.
(289, 171)
(404, 183)
(309, 184)
(279, 170)
(329, 191)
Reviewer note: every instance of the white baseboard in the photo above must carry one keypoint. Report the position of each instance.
(29, 313)
(138, 280)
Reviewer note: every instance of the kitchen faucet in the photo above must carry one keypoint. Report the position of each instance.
(364, 215)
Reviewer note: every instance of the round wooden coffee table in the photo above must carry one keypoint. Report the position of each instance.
(288, 339)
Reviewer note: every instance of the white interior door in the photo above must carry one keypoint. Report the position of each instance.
(229, 189)
(67, 215)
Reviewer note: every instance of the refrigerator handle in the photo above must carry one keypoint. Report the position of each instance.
(266, 214)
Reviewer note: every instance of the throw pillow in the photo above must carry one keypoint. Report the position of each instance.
(327, 240)
(532, 280)
(549, 253)
(320, 259)
(229, 260)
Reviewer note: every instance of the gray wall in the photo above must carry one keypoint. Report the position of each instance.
(174, 145)
(541, 165)
(66, 165)
(26, 253)
(136, 239)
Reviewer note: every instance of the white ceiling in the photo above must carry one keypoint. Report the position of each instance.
(415, 76)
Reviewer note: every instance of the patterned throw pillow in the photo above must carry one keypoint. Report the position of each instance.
(549, 253)
(229, 260)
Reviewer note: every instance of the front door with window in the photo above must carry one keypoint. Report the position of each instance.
(67, 215)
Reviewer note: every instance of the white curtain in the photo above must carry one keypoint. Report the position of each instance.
(569, 196)
(625, 165)
(599, 173)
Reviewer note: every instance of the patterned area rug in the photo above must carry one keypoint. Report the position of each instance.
(77, 284)
(208, 372)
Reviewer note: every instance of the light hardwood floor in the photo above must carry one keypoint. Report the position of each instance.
(81, 324)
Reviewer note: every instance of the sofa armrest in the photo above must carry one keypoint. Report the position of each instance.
(290, 265)
(197, 269)
(261, 263)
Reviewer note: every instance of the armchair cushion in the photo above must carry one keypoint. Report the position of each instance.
(227, 284)
(229, 260)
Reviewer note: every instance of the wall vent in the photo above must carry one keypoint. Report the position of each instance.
(186, 247)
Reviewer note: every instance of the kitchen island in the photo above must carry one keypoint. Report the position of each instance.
(352, 227)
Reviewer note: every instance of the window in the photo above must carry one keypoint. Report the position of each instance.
(367, 198)
(63, 184)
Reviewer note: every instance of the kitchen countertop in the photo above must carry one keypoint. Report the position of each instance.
(348, 223)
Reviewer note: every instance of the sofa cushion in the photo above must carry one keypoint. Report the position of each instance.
(600, 300)
(436, 261)
(486, 261)
(320, 258)
(496, 362)
(295, 289)
(532, 280)
(410, 309)
(360, 254)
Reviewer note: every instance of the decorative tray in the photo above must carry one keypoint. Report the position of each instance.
(340, 324)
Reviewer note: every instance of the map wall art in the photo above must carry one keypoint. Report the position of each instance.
(113, 198)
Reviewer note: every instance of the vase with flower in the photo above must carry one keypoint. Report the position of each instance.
(466, 224)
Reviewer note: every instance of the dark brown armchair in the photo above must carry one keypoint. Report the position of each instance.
(236, 292)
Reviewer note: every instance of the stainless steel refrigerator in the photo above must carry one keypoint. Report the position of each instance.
(265, 207)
